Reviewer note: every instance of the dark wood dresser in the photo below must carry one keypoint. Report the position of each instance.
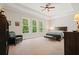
(71, 43)
(4, 35)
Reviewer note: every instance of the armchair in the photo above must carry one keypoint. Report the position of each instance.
(13, 38)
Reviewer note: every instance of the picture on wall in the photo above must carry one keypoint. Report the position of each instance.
(17, 23)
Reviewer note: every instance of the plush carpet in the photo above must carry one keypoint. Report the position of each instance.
(38, 46)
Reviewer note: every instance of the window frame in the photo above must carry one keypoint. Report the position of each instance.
(25, 24)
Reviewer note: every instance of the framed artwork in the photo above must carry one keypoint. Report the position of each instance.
(9, 23)
(17, 23)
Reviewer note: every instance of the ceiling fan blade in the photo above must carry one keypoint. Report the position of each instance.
(48, 4)
(51, 7)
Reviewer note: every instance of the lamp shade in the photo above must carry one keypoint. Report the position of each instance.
(77, 17)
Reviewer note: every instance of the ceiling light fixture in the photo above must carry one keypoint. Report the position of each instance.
(47, 7)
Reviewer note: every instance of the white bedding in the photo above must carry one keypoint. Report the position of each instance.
(57, 33)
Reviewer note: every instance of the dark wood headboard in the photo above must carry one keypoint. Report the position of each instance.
(61, 28)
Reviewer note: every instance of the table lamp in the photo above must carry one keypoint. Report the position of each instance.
(77, 21)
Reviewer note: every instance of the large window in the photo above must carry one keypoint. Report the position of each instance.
(40, 26)
(25, 26)
(34, 26)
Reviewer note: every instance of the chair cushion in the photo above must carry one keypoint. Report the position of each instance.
(12, 34)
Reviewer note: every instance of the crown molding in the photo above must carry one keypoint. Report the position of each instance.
(24, 9)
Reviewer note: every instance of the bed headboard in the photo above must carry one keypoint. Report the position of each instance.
(61, 28)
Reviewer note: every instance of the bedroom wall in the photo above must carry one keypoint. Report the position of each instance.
(17, 15)
(67, 20)
(14, 14)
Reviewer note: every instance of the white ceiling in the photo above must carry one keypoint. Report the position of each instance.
(59, 10)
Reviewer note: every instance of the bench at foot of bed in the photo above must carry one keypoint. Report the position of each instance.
(57, 37)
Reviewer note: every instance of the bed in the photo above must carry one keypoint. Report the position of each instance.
(57, 33)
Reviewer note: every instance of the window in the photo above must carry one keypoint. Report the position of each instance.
(25, 26)
(40, 26)
(34, 26)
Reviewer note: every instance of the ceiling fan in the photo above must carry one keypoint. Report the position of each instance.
(47, 7)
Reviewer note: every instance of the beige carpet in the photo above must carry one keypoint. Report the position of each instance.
(38, 46)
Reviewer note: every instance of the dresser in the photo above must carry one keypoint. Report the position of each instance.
(4, 35)
(71, 43)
